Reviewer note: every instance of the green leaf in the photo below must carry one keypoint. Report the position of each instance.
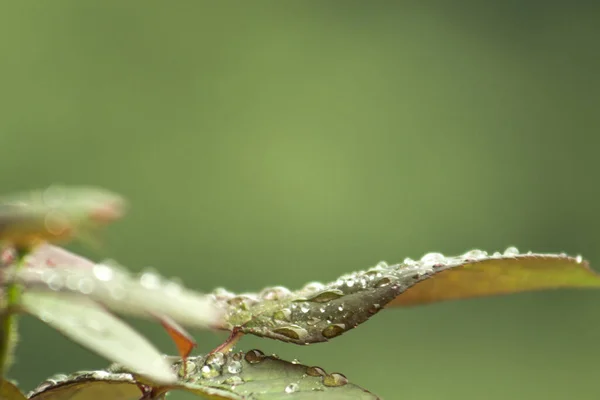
(56, 270)
(320, 312)
(90, 325)
(9, 391)
(234, 376)
(56, 214)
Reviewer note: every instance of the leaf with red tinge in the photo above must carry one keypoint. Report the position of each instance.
(318, 312)
(56, 214)
(183, 340)
(111, 285)
(500, 275)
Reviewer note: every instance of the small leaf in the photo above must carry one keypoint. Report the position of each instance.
(56, 214)
(9, 391)
(318, 312)
(234, 376)
(93, 327)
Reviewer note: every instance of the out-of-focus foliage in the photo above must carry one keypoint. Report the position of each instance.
(278, 143)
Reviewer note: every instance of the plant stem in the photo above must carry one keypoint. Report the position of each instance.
(8, 318)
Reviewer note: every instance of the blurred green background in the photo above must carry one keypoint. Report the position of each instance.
(279, 143)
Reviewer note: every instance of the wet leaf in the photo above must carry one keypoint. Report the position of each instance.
(320, 312)
(500, 275)
(56, 214)
(92, 385)
(50, 268)
(9, 391)
(90, 325)
(234, 376)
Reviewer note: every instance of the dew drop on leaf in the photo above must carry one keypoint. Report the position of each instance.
(234, 367)
(216, 360)
(282, 315)
(103, 272)
(475, 254)
(291, 388)
(511, 252)
(150, 280)
(315, 371)
(327, 296)
(334, 380)
(208, 371)
(254, 356)
(333, 330)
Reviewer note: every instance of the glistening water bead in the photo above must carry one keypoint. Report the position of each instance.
(254, 356)
(334, 380)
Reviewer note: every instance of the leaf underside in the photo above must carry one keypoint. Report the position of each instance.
(236, 376)
(90, 325)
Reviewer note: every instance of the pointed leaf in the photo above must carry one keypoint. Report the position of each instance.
(93, 327)
(9, 391)
(56, 214)
(490, 276)
(235, 376)
(319, 312)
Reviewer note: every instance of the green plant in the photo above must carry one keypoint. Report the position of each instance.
(79, 298)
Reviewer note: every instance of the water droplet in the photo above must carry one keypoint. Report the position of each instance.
(322, 309)
(475, 254)
(208, 371)
(511, 252)
(350, 282)
(54, 282)
(234, 381)
(237, 356)
(383, 282)
(334, 379)
(173, 288)
(295, 361)
(294, 332)
(190, 367)
(292, 388)
(312, 287)
(282, 315)
(222, 294)
(234, 367)
(85, 286)
(433, 259)
(150, 280)
(274, 293)
(374, 308)
(103, 272)
(333, 330)
(579, 259)
(409, 262)
(497, 254)
(327, 296)
(117, 292)
(216, 359)
(341, 308)
(304, 307)
(254, 356)
(315, 371)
